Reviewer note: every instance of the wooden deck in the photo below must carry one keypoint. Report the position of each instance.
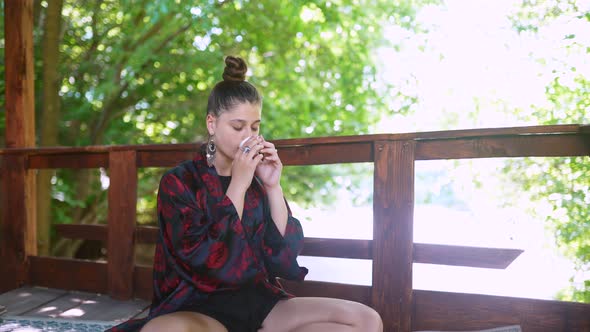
(57, 303)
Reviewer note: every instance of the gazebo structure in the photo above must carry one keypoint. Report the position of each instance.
(391, 250)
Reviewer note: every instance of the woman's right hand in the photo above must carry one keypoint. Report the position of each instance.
(244, 164)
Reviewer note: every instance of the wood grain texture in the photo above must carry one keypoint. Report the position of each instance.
(83, 231)
(454, 311)
(19, 74)
(24, 299)
(69, 160)
(548, 145)
(105, 308)
(61, 306)
(474, 143)
(146, 234)
(122, 198)
(321, 154)
(75, 305)
(491, 258)
(69, 274)
(143, 282)
(168, 158)
(18, 204)
(17, 234)
(339, 248)
(393, 208)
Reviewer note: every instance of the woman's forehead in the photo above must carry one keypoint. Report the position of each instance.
(244, 111)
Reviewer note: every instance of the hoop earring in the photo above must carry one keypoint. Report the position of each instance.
(211, 150)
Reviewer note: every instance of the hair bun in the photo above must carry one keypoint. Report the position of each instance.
(235, 69)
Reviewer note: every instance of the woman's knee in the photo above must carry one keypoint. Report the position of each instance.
(363, 317)
(184, 322)
(369, 319)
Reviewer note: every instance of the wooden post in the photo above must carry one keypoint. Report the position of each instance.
(393, 208)
(121, 223)
(18, 229)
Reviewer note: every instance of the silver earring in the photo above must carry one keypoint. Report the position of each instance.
(211, 150)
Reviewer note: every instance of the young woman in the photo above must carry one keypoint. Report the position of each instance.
(226, 234)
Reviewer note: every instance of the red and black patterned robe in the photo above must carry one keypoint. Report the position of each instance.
(204, 247)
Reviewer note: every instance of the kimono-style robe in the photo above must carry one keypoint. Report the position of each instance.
(204, 246)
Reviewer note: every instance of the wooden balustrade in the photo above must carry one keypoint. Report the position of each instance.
(392, 249)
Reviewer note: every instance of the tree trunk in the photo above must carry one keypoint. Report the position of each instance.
(49, 118)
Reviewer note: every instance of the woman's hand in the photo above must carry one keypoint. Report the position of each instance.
(245, 161)
(269, 170)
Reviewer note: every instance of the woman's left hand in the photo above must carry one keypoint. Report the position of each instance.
(270, 168)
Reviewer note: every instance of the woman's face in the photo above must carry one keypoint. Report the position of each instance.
(232, 126)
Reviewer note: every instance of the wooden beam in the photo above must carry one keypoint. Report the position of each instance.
(121, 223)
(491, 258)
(548, 145)
(442, 311)
(143, 282)
(15, 242)
(326, 153)
(339, 248)
(69, 160)
(163, 158)
(146, 234)
(393, 208)
(83, 231)
(66, 273)
(18, 229)
(19, 74)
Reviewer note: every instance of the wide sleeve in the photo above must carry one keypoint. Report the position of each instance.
(280, 252)
(207, 245)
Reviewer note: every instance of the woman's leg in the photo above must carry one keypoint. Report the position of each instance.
(317, 314)
(184, 321)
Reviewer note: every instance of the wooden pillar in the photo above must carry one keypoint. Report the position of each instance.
(393, 209)
(18, 229)
(121, 223)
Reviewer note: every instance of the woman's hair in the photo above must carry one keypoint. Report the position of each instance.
(234, 89)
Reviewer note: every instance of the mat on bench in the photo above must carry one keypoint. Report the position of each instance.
(34, 324)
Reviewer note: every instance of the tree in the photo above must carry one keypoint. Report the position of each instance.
(135, 73)
(49, 123)
(562, 183)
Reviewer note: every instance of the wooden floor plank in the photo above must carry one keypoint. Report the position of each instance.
(60, 305)
(21, 300)
(102, 307)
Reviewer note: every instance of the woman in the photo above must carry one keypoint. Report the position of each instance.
(226, 234)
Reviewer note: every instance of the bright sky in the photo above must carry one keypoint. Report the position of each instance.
(473, 60)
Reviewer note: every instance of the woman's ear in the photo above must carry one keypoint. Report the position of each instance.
(211, 124)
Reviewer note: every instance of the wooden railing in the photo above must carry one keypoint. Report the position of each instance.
(391, 250)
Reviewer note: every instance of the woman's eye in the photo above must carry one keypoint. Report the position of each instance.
(255, 129)
(237, 128)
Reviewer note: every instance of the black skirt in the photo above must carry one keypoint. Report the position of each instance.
(241, 310)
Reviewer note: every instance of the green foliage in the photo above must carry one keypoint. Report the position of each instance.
(560, 184)
(139, 72)
(534, 14)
